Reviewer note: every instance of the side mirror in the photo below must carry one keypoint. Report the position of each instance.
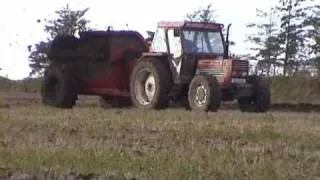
(176, 33)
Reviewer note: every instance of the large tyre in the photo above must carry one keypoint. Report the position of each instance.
(204, 94)
(114, 102)
(58, 89)
(260, 100)
(150, 84)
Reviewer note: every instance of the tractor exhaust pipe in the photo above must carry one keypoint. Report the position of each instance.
(226, 52)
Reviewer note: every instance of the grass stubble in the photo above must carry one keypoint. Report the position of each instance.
(166, 144)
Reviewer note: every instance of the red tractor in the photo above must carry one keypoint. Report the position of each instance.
(183, 61)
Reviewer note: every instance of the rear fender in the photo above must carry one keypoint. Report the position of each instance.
(165, 59)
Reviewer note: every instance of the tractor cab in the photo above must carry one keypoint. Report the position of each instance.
(196, 38)
(197, 48)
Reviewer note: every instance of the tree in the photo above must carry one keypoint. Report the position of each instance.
(292, 37)
(286, 44)
(313, 34)
(202, 14)
(266, 42)
(38, 57)
(68, 22)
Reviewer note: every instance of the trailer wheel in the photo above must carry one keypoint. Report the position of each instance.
(150, 84)
(204, 94)
(260, 100)
(58, 89)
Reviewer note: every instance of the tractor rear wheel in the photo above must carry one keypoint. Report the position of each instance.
(260, 99)
(150, 84)
(58, 89)
(204, 94)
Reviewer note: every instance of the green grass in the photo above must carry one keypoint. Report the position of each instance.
(24, 85)
(295, 89)
(168, 144)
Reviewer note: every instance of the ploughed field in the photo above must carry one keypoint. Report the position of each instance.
(94, 143)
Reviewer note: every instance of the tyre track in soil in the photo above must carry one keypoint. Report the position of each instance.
(10, 99)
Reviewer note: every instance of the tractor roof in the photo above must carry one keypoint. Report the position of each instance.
(190, 24)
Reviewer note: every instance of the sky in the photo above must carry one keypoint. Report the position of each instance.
(19, 27)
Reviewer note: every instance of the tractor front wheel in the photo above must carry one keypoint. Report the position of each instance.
(204, 94)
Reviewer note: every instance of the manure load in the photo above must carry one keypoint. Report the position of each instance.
(97, 45)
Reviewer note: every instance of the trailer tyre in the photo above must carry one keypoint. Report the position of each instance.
(204, 94)
(58, 89)
(150, 84)
(260, 100)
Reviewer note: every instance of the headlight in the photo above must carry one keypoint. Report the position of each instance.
(234, 73)
(244, 74)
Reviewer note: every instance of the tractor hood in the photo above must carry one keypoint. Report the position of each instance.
(224, 69)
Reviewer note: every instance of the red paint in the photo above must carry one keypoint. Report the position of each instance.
(225, 66)
(115, 81)
(113, 76)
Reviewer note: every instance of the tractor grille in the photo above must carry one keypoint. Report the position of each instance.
(240, 65)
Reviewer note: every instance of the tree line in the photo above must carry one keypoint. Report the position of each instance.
(287, 42)
(68, 22)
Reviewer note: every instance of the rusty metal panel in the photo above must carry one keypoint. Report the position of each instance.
(203, 25)
(170, 24)
(189, 24)
(218, 68)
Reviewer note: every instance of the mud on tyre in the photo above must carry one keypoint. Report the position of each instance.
(150, 84)
(260, 99)
(58, 88)
(204, 94)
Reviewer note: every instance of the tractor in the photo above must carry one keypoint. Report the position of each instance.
(181, 62)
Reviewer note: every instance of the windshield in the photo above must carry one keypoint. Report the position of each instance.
(200, 41)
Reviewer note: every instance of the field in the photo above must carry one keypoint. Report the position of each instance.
(90, 142)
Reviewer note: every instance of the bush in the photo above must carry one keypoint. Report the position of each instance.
(25, 85)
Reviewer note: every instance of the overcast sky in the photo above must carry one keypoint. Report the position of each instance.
(19, 27)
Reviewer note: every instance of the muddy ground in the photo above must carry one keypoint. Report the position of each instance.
(9, 99)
